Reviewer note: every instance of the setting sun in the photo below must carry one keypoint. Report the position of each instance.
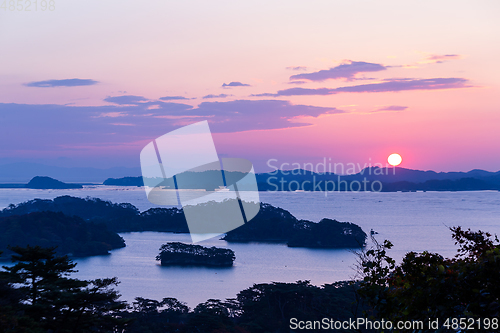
(394, 159)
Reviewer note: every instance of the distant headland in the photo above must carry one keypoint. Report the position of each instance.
(43, 183)
(368, 179)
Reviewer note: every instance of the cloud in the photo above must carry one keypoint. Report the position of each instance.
(391, 108)
(171, 98)
(388, 85)
(344, 71)
(103, 129)
(245, 115)
(216, 96)
(61, 83)
(297, 82)
(297, 68)
(126, 99)
(438, 59)
(235, 84)
(112, 114)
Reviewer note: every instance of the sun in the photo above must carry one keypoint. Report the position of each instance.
(394, 159)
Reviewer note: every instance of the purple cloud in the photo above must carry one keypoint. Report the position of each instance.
(344, 71)
(389, 85)
(438, 58)
(297, 82)
(61, 83)
(171, 98)
(216, 96)
(235, 84)
(100, 128)
(126, 99)
(245, 115)
(297, 68)
(391, 108)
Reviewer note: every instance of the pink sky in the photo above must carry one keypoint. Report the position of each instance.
(417, 78)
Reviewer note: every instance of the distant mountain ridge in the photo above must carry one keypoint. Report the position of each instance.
(23, 172)
(398, 179)
(392, 179)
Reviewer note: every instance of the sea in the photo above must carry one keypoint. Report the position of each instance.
(412, 221)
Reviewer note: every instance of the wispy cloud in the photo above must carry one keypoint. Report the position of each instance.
(391, 108)
(171, 98)
(388, 85)
(245, 115)
(122, 124)
(61, 83)
(216, 96)
(111, 114)
(297, 82)
(126, 99)
(438, 59)
(297, 68)
(235, 84)
(345, 71)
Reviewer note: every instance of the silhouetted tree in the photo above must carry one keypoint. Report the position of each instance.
(57, 302)
(427, 285)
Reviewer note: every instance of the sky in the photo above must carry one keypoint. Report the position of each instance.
(91, 83)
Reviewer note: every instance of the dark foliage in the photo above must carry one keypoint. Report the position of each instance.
(271, 224)
(70, 234)
(176, 253)
(274, 224)
(427, 285)
(42, 298)
(329, 234)
(123, 217)
(87, 209)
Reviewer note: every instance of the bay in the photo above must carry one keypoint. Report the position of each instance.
(413, 221)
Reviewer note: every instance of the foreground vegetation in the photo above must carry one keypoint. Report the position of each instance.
(461, 292)
(37, 295)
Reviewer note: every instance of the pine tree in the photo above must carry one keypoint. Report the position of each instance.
(56, 301)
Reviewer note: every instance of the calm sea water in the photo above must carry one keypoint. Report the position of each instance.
(413, 221)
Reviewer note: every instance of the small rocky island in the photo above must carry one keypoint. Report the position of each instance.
(175, 253)
(47, 183)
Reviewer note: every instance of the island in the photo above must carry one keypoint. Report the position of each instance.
(44, 183)
(271, 224)
(276, 225)
(69, 235)
(47, 183)
(181, 254)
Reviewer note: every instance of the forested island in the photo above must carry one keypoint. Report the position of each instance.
(277, 225)
(271, 224)
(69, 234)
(180, 254)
